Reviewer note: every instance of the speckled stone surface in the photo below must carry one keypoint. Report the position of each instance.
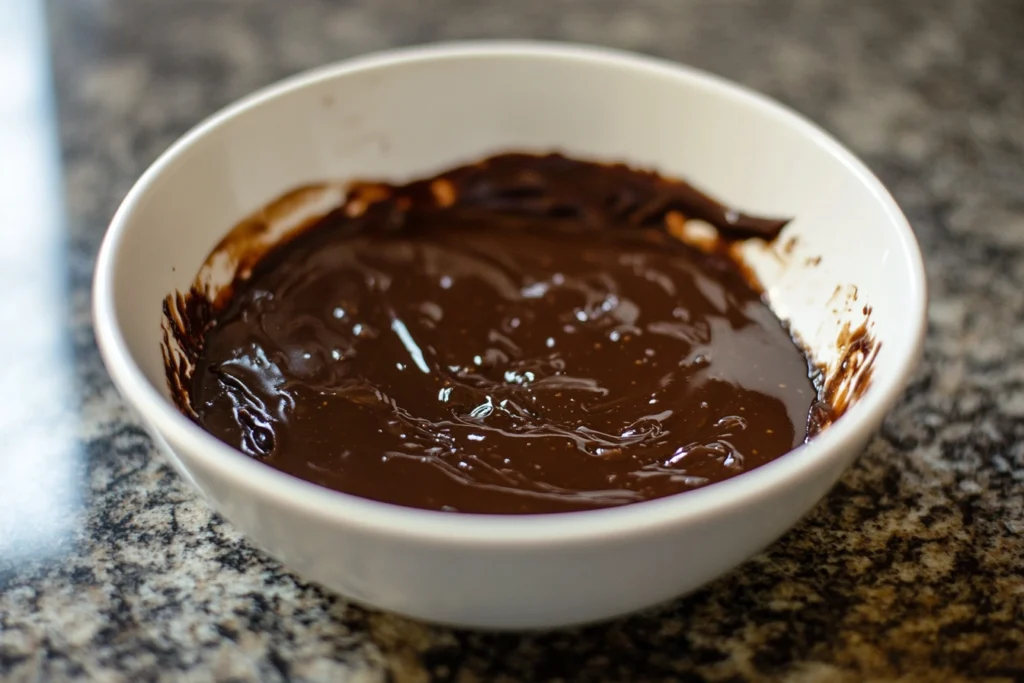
(911, 570)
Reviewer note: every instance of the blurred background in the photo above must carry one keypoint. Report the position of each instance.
(111, 568)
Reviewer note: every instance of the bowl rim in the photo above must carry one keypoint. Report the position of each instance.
(266, 483)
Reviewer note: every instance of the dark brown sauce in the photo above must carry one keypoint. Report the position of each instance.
(521, 335)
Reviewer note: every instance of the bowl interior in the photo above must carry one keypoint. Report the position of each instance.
(848, 249)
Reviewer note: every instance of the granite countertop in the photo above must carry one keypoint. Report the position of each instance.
(112, 569)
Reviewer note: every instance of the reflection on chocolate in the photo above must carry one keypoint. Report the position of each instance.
(517, 336)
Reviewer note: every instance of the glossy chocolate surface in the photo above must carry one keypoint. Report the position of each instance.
(521, 335)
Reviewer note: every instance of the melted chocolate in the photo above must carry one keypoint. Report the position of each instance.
(517, 336)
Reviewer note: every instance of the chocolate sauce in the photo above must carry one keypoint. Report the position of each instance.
(522, 335)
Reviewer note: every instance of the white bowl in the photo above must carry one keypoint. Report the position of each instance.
(414, 112)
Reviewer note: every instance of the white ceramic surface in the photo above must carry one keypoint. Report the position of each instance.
(413, 112)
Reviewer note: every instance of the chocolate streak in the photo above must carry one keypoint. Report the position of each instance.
(521, 335)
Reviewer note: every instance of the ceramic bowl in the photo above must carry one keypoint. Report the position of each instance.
(848, 258)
